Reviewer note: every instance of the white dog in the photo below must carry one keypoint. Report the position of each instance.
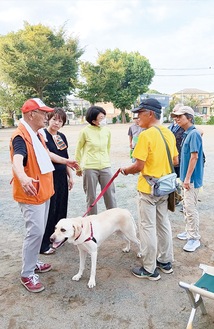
(89, 232)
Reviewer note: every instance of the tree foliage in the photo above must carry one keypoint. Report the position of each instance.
(10, 100)
(117, 77)
(40, 62)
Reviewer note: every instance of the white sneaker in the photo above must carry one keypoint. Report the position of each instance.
(191, 245)
(182, 236)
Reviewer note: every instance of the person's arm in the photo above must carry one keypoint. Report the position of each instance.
(109, 143)
(192, 163)
(130, 141)
(137, 166)
(79, 151)
(25, 181)
(130, 137)
(175, 160)
(58, 159)
(70, 178)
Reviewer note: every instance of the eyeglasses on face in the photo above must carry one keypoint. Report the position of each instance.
(40, 112)
(142, 111)
(178, 116)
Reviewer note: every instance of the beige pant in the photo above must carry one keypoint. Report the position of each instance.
(191, 213)
(93, 177)
(155, 230)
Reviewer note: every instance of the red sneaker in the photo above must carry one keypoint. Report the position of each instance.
(32, 283)
(42, 267)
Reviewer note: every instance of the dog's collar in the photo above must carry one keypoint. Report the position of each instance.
(91, 236)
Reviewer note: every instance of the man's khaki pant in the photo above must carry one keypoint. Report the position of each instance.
(155, 230)
(191, 213)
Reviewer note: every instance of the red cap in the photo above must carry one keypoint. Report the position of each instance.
(35, 104)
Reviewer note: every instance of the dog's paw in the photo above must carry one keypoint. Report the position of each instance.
(126, 249)
(91, 283)
(76, 277)
(139, 254)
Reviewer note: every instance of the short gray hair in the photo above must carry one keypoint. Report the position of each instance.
(157, 115)
(189, 117)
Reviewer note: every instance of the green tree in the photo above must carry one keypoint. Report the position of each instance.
(153, 91)
(193, 102)
(117, 77)
(189, 101)
(40, 62)
(10, 102)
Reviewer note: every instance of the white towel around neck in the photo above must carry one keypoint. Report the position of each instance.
(42, 156)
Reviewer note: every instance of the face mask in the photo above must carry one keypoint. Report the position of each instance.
(102, 122)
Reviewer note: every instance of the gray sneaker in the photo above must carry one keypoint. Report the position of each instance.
(192, 245)
(182, 236)
(141, 273)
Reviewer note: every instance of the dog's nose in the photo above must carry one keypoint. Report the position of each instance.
(51, 239)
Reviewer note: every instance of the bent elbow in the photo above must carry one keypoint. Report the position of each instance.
(175, 161)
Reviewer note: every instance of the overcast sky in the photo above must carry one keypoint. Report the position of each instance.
(176, 36)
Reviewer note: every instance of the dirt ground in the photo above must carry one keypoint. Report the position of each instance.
(119, 300)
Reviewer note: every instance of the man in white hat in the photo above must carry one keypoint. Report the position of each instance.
(191, 174)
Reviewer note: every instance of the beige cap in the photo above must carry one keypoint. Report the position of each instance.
(182, 110)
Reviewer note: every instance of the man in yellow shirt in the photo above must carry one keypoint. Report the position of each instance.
(152, 160)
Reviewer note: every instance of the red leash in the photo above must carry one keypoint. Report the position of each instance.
(102, 192)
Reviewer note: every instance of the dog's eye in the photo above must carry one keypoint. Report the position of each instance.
(62, 230)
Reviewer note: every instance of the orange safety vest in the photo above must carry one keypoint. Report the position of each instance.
(45, 187)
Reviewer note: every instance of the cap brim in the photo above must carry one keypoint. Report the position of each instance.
(177, 113)
(137, 109)
(46, 109)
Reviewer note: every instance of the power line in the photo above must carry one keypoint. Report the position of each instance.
(184, 69)
(182, 75)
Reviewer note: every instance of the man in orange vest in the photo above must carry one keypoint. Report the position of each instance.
(33, 185)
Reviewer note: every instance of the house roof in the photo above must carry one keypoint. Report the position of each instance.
(192, 91)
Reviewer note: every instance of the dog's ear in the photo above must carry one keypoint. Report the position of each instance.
(77, 230)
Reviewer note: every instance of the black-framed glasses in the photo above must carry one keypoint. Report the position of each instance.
(143, 111)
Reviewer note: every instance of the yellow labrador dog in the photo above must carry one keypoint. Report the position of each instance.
(89, 232)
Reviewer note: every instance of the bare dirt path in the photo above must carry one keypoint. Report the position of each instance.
(119, 300)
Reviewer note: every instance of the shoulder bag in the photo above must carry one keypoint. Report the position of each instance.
(167, 184)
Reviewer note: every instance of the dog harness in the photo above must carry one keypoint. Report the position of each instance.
(91, 236)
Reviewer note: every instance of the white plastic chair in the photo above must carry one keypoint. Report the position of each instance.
(204, 287)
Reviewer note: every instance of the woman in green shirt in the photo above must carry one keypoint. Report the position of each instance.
(93, 155)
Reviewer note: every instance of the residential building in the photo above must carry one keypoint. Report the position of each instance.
(201, 101)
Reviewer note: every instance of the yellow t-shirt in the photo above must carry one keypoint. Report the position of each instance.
(151, 149)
